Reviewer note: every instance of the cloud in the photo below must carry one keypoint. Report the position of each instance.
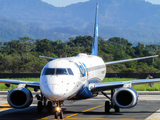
(61, 3)
(153, 1)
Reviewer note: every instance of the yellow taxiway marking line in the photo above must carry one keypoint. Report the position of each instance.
(68, 117)
(71, 115)
(83, 111)
(3, 108)
(95, 101)
(88, 119)
(4, 104)
(101, 119)
(108, 119)
(93, 108)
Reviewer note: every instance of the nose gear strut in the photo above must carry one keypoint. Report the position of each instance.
(42, 104)
(58, 110)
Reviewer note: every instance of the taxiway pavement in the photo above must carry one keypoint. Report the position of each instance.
(148, 108)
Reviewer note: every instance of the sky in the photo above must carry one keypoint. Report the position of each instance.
(63, 3)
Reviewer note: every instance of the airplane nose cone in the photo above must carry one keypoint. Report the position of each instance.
(56, 91)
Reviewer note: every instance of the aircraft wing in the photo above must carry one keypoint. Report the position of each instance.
(17, 82)
(128, 60)
(97, 87)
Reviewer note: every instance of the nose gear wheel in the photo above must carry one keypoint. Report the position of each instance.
(58, 110)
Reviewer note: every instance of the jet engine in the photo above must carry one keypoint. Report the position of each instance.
(125, 97)
(20, 98)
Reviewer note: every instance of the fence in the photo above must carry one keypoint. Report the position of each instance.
(19, 75)
(132, 75)
(108, 75)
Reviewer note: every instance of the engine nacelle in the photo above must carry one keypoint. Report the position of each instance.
(20, 98)
(125, 97)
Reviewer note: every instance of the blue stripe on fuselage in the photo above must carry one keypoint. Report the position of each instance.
(84, 92)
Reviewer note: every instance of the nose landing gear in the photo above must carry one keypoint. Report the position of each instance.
(58, 110)
(42, 103)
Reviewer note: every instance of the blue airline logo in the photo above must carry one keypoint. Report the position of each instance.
(82, 68)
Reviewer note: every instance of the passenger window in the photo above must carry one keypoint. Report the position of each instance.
(61, 71)
(70, 71)
(49, 71)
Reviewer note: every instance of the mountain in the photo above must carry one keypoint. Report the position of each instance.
(135, 20)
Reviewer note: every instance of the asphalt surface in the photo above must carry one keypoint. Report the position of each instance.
(90, 109)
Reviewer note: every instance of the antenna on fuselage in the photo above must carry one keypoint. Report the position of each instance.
(95, 37)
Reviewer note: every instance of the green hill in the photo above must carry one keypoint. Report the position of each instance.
(135, 20)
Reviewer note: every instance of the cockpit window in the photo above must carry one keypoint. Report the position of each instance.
(61, 71)
(70, 71)
(49, 71)
(57, 71)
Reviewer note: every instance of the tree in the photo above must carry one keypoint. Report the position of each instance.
(44, 45)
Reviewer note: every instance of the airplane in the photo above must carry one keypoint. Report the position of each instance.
(75, 78)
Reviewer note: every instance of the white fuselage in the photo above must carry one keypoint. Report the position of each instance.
(62, 78)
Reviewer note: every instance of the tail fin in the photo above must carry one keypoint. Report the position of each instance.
(95, 37)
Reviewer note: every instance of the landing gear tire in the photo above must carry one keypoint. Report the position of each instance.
(107, 107)
(117, 109)
(58, 110)
(49, 106)
(56, 115)
(39, 107)
(61, 114)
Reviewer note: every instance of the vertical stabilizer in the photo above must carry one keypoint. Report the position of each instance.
(95, 37)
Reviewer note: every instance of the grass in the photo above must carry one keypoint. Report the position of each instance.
(142, 87)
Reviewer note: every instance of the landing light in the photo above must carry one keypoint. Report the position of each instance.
(58, 108)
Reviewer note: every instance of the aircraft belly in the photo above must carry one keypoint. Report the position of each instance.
(73, 92)
(84, 92)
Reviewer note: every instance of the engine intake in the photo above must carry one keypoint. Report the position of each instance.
(125, 97)
(20, 98)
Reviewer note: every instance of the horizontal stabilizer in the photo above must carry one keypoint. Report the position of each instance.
(48, 57)
(128, 60)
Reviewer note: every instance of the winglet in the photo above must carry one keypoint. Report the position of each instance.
(95, 37)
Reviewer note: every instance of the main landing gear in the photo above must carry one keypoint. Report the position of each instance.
(42, 103)
(109, 104)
